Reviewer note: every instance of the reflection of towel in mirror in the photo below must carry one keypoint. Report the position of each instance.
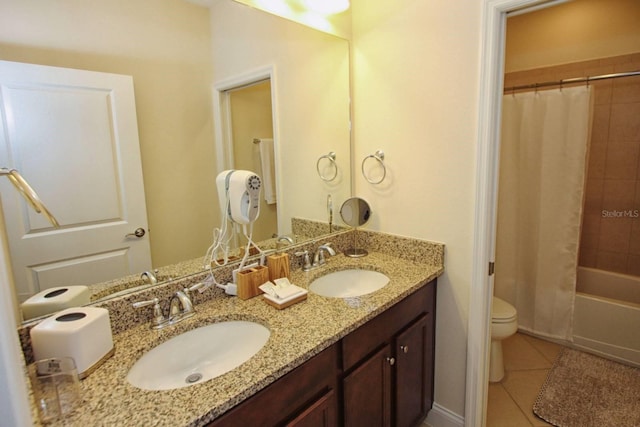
(267, 164)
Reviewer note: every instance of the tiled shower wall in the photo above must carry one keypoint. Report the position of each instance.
(611, 223)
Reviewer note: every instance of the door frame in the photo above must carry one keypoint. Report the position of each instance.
(222, 120)
(222, 113)
(15, 405)
(492, 53)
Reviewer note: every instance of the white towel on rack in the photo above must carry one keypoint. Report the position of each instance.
(267, 163)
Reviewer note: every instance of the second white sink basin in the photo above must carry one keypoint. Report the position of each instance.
(349, 283)
(198, 355)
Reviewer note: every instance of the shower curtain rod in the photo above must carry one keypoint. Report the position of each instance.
(573, 80)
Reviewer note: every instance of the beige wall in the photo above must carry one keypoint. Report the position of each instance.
(415, 97)
(311, 100)
(416, 68)
(145, 39)
(575, 31)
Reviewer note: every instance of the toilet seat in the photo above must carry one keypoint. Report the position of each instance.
(502, 311)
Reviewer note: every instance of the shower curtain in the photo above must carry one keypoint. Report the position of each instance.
(543, 157)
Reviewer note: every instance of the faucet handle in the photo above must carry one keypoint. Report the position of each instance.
(197, 287)
(307, 261)
(327, 246)
(158, 318)
(139, 304)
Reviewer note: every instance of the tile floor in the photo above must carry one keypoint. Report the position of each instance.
(527, 361)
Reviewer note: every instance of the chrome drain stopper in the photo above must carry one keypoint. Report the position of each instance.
(193, 378)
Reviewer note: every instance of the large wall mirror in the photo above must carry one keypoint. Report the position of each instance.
(184, 60)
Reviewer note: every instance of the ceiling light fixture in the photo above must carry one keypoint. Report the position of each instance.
(327, 7)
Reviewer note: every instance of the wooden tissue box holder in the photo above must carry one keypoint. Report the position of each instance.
(248, 281)
(281, 306)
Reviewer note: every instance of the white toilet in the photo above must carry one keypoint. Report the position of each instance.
(504, 323)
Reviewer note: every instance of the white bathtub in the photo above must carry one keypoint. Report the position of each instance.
(606, 318)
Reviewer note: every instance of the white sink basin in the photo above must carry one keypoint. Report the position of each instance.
(198, 355)
(349, 283)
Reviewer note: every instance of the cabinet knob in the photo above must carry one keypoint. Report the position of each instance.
(391, 360)
(404, 348)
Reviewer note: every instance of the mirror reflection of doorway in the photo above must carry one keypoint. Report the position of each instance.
(251, 120)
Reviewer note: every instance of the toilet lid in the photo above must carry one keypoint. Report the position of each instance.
(502, 311)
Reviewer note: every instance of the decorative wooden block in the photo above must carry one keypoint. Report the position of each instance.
(278, 266)
(249, 280)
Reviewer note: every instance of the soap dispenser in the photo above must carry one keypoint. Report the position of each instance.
(278, 263)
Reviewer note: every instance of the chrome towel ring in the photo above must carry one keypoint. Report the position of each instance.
(379, 157)
(331, 157)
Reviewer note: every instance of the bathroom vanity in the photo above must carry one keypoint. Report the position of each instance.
(379, 374)
(365, 360)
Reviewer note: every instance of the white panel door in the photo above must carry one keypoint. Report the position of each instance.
(73, 136)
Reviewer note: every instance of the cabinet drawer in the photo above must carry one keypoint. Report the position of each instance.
(288, 395)
(380, 329)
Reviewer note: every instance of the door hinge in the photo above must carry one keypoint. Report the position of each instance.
(492, 268)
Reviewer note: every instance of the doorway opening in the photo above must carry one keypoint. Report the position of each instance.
(246, 139)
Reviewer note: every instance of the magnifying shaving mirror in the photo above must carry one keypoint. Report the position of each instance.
(355, 212)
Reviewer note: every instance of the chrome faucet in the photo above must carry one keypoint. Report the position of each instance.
(150, 277)
(285, 239)
(280, 241)
(180, 306)
(318, 258)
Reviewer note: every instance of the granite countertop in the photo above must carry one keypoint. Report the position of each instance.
(297, 333)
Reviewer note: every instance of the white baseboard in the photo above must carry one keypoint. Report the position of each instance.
(440, 416)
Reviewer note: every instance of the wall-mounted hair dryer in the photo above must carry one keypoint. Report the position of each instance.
(239, 195)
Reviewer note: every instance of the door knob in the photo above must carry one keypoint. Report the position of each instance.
(139, 232)
(391, 360)
(404, 348)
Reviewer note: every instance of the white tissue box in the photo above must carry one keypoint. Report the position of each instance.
(55, 299)
(83, 333)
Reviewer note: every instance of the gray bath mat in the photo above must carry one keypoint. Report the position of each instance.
(582, 390)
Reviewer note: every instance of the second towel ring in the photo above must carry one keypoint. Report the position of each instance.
(379, 157)
(332, 160)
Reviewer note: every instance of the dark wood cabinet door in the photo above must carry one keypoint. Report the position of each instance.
(289, 395)
(414, 370)
(367, 392)
(370, 336)
(322, 413)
